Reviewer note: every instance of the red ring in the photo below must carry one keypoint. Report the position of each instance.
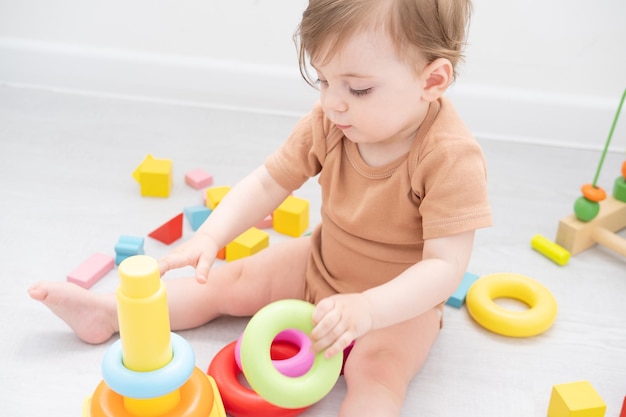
(240, 401)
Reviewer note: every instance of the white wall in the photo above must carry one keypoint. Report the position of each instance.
(257, 31)
(537, 70)
(562, 46)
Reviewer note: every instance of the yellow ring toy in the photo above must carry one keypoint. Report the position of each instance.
(537, 319)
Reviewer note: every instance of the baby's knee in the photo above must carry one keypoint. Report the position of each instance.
(382, 370)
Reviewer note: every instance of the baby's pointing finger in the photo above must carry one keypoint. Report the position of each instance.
(172, 261)
(167, 263)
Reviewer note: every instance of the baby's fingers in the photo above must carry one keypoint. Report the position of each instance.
(203, 267)
(325, 318)
(329, 331)
(339, 346)
(322, 309)
(333, 343)
(169, 262)
(176, 259)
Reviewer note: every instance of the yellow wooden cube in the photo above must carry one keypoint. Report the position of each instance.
(575, 399)
(214, 196)
(248, 243)
(292, 216)
(154, 177)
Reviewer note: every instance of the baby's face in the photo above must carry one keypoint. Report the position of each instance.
(370, 93)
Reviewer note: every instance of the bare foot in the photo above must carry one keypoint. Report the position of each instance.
(93, 317)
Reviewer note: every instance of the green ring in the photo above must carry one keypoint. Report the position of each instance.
(269, 383)
(619, 189)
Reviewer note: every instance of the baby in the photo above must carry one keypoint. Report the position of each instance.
(403, 190)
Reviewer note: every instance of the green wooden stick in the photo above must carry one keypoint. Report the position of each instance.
(608, 140)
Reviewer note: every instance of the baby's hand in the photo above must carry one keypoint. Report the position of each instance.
(199, 252)
(338, 321)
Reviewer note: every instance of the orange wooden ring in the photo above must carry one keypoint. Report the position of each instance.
(196, 400)
(624, 170)
(591, 193)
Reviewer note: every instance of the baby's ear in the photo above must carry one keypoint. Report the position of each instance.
(437, 77)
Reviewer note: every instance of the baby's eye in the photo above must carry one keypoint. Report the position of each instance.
(360, 92)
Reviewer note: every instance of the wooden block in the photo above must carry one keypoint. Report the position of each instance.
(577, 236)
(170, 231)
(128, 246)
(556, 253)
(90, 271)
(458, 298)
(575, 399)
(623, 412)
(214, 196)
(154, 177)
(198, 178)
(292, 217)
(196, 215)
(248, 243)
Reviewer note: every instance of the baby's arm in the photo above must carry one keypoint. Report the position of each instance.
(250, 201)
(342, 318)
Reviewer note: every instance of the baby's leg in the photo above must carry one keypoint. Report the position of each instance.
(242, 287)
(238, 288)
(383, 362)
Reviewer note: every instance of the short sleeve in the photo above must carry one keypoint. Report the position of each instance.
(451, 182)
(302, 155)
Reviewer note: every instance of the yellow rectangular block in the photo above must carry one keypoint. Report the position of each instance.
(248, 243)
(292, 216)
(214, 196)
(575, 399)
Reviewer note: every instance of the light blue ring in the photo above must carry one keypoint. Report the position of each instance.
(152, 384)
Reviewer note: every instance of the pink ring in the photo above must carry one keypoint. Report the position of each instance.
(297, 365)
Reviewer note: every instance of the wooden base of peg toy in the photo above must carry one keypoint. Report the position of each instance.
(576, 236)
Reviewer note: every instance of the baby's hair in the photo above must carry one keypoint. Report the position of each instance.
(419, 29)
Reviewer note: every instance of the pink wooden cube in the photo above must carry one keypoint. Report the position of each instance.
(198, 178)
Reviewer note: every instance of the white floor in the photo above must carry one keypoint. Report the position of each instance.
(67, 192)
